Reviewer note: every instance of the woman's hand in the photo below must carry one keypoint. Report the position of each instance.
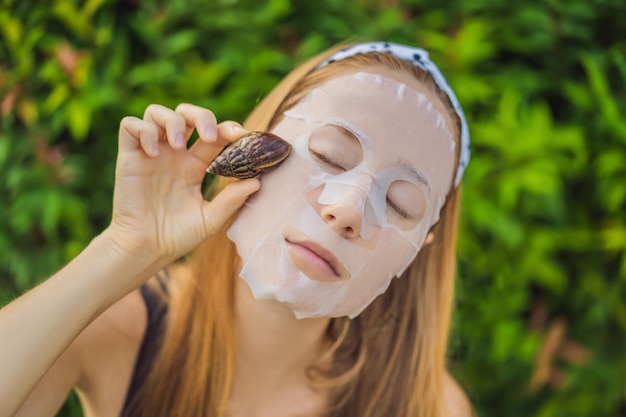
(158, 208)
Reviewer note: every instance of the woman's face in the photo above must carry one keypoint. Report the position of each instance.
(373, 159)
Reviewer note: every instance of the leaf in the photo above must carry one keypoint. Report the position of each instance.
(51, 211)
(78, 117)
(608, 105)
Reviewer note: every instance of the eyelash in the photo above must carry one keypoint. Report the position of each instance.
(323, 159)
(398, 210)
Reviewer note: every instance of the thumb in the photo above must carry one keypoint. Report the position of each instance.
(217, 211)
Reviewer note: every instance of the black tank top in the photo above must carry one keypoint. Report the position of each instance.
(157, 310)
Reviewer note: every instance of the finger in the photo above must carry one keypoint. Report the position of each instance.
(136, 133)
(202, 119)
(231, 131)
(172, 123)
(227, 202)
(226, 132)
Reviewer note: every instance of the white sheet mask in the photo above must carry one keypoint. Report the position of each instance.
(351, 211)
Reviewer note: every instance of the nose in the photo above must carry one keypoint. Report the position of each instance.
(345, 216)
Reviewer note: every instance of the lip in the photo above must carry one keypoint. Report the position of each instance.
(315, 261)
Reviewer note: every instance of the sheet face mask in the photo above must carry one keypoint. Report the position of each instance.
(350, 208)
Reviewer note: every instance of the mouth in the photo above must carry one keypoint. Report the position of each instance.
(315, 261)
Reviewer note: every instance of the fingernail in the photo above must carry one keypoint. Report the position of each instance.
(210, 132)
(155, 148)
(180, 140)
(237, 128)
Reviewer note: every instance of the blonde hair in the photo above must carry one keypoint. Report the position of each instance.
(389, 361)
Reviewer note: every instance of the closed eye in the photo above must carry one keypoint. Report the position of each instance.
(402, 213)
(324, 159)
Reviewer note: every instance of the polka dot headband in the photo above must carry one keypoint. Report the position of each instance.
(419, 58)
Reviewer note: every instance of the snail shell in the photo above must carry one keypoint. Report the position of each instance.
(253, 154)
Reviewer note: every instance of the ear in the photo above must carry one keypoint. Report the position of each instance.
(430, 238)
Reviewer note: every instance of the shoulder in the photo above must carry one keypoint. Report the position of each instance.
(456, 402)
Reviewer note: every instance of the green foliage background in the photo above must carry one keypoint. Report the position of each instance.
(542, 252)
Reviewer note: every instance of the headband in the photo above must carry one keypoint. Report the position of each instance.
(419, 58)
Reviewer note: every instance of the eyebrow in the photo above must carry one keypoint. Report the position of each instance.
(418, 176)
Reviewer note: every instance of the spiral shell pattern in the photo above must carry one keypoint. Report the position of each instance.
(253, 154)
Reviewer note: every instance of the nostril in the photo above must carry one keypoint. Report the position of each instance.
(343, 219)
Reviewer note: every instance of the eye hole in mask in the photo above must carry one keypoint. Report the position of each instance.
(337, 150)
(406, 204)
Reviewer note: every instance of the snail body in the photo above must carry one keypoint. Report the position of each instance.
(255, 153)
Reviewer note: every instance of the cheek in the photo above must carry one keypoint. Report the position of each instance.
(290, 177)
(281, 186)
(388, 260)
(265, 210)
(394, 252)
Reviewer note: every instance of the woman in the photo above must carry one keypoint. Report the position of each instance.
(369, 193)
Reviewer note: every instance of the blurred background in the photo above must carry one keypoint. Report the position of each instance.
(540, 319)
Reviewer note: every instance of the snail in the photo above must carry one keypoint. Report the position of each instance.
(255, 153)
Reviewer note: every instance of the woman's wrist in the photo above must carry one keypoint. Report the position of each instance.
(120, 268)
(120, 248)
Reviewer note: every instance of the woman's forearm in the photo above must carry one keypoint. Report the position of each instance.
(36, 328)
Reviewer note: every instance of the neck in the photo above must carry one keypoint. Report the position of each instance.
(273, 352)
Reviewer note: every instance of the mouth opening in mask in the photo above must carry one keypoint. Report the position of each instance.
(313, 259)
